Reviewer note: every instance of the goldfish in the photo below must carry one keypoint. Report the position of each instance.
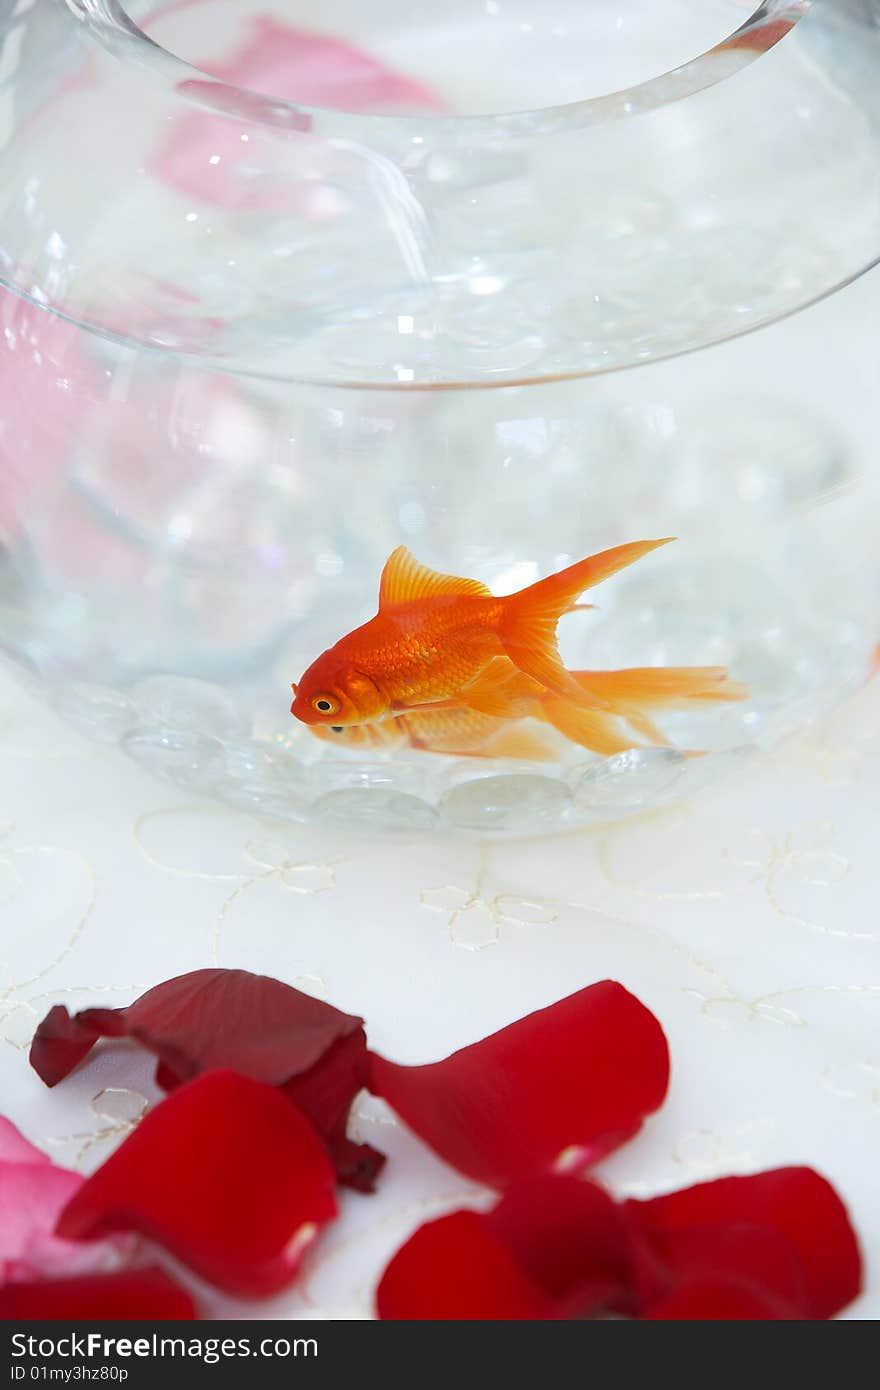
(466, 730)
(435, 634)
(458, 732)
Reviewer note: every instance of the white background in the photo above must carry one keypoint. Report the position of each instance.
(746, 920)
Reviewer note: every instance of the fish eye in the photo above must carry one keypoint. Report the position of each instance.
(325, 705)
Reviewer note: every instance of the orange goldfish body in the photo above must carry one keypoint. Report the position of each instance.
(472, 729)
(434, 634)
(456, 732)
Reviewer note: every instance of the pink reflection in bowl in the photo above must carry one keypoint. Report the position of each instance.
(208, 156)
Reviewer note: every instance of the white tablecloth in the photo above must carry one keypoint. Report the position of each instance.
(747, 920)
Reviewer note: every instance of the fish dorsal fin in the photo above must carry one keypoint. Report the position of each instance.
(404, 580)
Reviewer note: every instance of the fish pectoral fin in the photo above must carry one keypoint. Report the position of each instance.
(496, 703)
(404, 580)
(501, 690)
(525, 745)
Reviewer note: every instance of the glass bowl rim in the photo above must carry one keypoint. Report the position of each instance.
(112, 26)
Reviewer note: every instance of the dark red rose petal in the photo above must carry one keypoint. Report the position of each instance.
(579, 1076)
(739, 1226)
(62, 1041)
(230, 1018)
(198, 1022)
(324, 1094)
(226, 1174)
(128, 1294)
(572, 1240)
(457, 1269)
(719, 1302)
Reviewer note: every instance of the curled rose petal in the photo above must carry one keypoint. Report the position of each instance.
(572, 1239)
(133, 1294)
(325, 1093)
(255, 1025)
(33, 1191)
(553, 1247)
(203, 1020)
(226, 1174)
(565, 1085)
(719, 1301)
(457, 1269)
(759, 1229)
(62, 1041)
(561, 1247)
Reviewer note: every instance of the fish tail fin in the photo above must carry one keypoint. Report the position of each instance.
(592, 729)
(660, 687)
(527, 629)
(639, 721)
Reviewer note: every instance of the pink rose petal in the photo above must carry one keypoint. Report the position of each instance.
(33, 1192)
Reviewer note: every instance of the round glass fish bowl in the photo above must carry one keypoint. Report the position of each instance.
(299, 300)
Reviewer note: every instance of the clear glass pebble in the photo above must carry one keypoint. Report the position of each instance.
(182, 703)
(279, 804)
(97, 711)
(515, 802)
(265, 780)
(376, 808)
(393, 775)
(190, 759)
(631, 780)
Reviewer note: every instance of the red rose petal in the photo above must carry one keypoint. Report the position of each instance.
(739, 1226)
(580, 1076)
(774, 1246)
(127, 1294)
(324, 1094)
(750, 1254)
(59, 1044)
(572, 1240)
(205, 1019)
(226, 1174)
(718, 1302)
(457, 1269)
(258, 1026)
